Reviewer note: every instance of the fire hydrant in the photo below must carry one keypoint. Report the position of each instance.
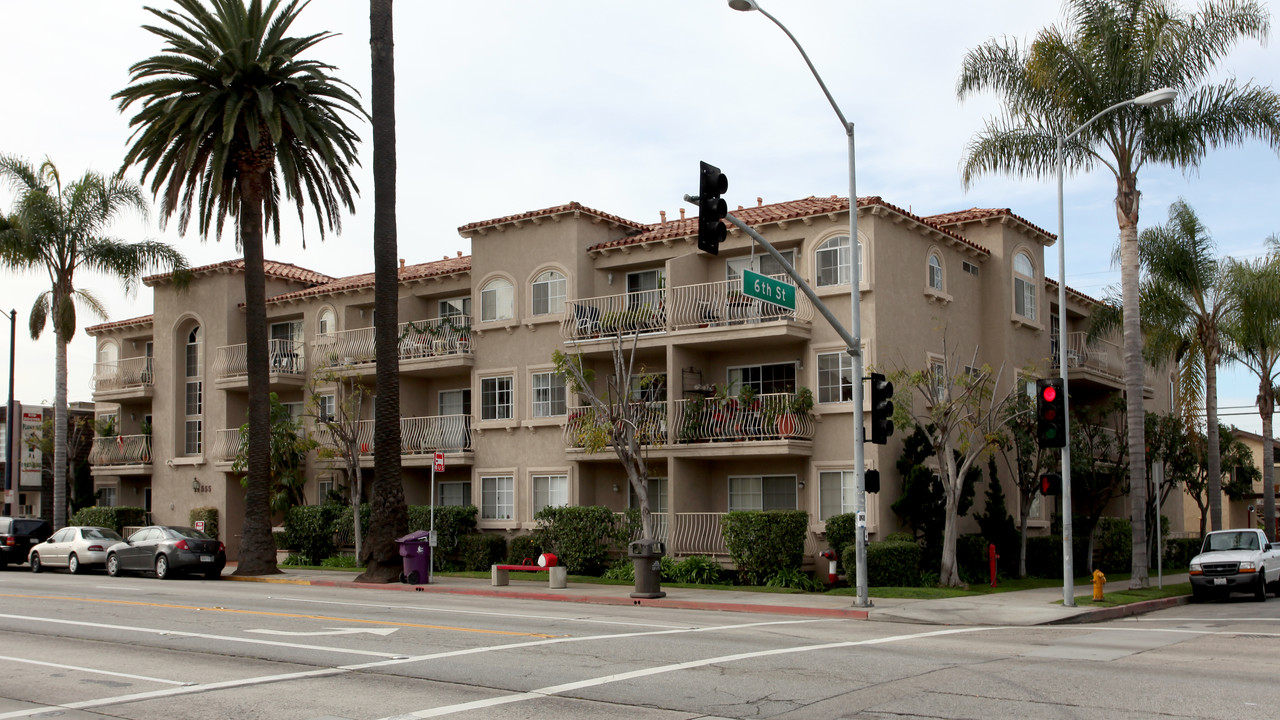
(992, 556)
(1098, 581)
(830, 555)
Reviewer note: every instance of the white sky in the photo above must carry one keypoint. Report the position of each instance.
(505, 106)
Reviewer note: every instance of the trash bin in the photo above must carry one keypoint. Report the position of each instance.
(647, 557)
(415, 551)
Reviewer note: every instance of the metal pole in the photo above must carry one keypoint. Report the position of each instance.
(1068, 565)
(8, 418)
(855, 326)
(1157, 477)
(431, 538)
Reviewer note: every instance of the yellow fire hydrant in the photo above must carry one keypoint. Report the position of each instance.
(1098, 581)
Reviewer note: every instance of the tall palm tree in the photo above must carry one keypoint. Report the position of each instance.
(1106, 52)
(230, 114)
(1255, 343)
(390, 517)
(58, 230)
(1185, 303)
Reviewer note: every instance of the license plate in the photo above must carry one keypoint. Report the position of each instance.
(1219, 581)
(35, 541)
(206, 558)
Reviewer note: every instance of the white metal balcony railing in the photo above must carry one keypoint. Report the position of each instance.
(226, 445)
(418, 339)
(661, 526)
(418, 435)
(677, 308)
(286, 357)
(1101, 355)
(701, 533)
(772, 416)
(121, 450)
(652, 426)
(127, 373)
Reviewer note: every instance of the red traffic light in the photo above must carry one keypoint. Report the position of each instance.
(1050, 393)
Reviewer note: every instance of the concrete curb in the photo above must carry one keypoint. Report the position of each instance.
(1122, 611)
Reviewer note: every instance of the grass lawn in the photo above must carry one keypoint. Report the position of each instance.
(1125, 597)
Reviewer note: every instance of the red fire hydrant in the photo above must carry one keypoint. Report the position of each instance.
(830, 555)
(991, 555)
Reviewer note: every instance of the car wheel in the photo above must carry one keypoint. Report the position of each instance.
(73, 564)
(162, 568)
(113, 565)
(35, 562)
(1260, 593)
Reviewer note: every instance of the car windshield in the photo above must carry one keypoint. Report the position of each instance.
(31, 527)
(101, 534)
(1219, 542)
(187, 532)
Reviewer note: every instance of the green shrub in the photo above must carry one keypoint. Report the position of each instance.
(480, 550)
(580, 537)
(971, 556)
(621, 570)
(698, 570)
(668, 566)
(524, 547)
(340, 561)
(842, 531)
(309, 530)
(282, 540)
(1044, 556)
(452, 521)
(898, 537)
(296, 560)
(762, 543)
(794, 578)
(1179, 551)
(209, 515)
(116, 518)
(890, 564)
(1112, 545)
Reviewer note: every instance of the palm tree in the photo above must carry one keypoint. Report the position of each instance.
(390, 517)
(57, 230)
(1255, 343)
(230, 114)
(1104, 53)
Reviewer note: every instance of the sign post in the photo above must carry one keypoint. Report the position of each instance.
(437, 465)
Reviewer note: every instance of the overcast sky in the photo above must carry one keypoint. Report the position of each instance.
(505, 106)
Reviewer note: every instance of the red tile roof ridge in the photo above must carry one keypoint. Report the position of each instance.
(102, 327)
(434, 268)
(570, 207)
(1075, 292)
(272, 268)
(974, 214)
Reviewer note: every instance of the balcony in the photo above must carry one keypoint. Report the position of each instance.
(226, 446)
(1099, 363)
(123, 380)
(287, 366)
(420, 439)
(709, 428)
(715, 313)
(121, 455)
(426, 347)
(700, 533)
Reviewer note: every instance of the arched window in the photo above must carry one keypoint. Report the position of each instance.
(832, 261)
(497, 301)
(193, 413)
(548, 293)
(1024, 286)
(935, 272)
(326, 324)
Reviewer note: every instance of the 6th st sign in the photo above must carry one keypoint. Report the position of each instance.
(763, 287)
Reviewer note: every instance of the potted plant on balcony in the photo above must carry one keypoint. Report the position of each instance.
(801, 403)
(692, 428)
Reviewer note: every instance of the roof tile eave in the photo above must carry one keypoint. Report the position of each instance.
(570, 207)
(141, 320)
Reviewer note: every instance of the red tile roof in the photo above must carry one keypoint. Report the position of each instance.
(976, 214)
(1077, 293)
(570, 208)
(273, 269)
(103, 327)
(447, 266)
(774, 213)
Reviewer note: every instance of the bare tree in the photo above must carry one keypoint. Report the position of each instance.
(340, 423)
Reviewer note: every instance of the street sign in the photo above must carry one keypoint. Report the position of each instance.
(200, 525)
(439, 462)
(763, 287)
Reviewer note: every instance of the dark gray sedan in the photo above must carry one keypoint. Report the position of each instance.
(168, 551)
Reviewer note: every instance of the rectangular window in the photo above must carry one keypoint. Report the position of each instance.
(657, 488)
(768, 492)
(454, 494)
(193, 360)
(194, 427)
(548, 395)
(835, 493)
(970, 268)
(455, 402)
(773, 378)
(192, 437)
(645, 288)
(497, 498)
(496, 398)
(453, 307)
(326, 408)
(548, 293)
(651, 387)
(323, 488)
(497, 301)
(107, 497)
(550, 491)
(767, 265)
(835, 377)
(1024, 298)
(939, 372)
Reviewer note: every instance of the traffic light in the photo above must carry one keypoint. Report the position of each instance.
(871, 481)
(1051, 484)
(711, 208)
(1051, 416)
(881, 409)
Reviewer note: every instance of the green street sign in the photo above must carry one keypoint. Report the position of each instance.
(763, 287)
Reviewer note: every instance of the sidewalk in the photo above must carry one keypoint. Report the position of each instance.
(1025, 607)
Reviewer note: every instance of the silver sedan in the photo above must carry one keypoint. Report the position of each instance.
(74, 548)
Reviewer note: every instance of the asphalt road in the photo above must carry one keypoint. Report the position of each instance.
(92, 646)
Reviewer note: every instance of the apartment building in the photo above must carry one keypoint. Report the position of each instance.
(477, 335)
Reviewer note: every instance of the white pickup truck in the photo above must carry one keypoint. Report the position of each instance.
(1240, 561)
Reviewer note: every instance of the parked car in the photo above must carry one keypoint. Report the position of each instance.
(17, 535)
(74, 548)
(168, 551)
(1239, 561)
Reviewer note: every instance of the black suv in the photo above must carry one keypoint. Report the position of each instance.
(17, 535)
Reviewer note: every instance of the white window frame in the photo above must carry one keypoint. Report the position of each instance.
(326, 321)
(743, 496)
(464, 488)
(828, 394)
(838, 246)
(836, 480)
(455, 306)
(193, 390)
(499, 410)
(326, 407)
(497, 300)
(550, 490)
(1024, 286)
(446, 396)
(657, 487)
(938, 378)
(554, 289)
(323, 488)
(935, 278)
(734, 377)
(549, 394)
(497, 497)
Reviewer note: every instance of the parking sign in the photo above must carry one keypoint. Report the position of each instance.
(439, 464)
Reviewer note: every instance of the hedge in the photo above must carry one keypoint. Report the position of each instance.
(524, 547)
(763, 542)
(889, 563)
(842, 531)
(209, 515)
(1179, 551)
(480, 550)
(116, 518)
(581, 537)
(308, 530)
(452, 522)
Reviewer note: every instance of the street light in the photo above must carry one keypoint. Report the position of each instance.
(855, 327)
(9, 480)
(1155, 98)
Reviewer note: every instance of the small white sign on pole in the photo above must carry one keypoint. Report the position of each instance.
(439, 462)
(200, 525)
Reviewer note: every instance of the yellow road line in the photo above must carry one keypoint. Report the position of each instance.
(325, 618)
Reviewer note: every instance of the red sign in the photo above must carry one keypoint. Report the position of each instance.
(439, 465)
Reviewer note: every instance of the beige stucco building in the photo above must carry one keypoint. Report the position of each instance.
(477, 380)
